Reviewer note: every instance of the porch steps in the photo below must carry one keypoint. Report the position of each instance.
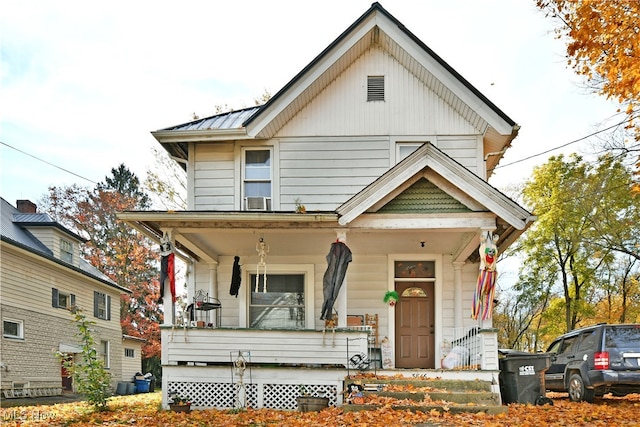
(424, 395)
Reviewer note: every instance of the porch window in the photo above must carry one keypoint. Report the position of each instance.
(282, 306)
(12, 328)
(257, 179)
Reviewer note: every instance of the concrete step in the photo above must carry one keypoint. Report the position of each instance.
(428, 394)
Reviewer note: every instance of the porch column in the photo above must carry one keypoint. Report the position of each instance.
(167, 298)
(341, 303)
(213, 279)
(457, 293)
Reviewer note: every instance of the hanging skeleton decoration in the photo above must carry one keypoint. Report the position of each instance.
(263, 249)
(167, 268)
(487, 277)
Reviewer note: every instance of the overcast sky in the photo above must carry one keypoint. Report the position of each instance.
(84, 83)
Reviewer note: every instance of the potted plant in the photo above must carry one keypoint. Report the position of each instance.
(307, 402)
(180, 403)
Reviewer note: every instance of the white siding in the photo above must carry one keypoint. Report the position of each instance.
(410, 108)
(214, 176)
(325, 172)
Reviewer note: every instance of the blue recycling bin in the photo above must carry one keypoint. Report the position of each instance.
(142, 386)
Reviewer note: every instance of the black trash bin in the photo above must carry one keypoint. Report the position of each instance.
(522, 377)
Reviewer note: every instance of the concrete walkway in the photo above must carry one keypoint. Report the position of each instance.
(42, 400)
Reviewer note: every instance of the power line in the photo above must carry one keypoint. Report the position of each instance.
(49, 163)
(560, 146)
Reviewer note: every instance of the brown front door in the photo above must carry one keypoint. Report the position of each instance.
(415, 325)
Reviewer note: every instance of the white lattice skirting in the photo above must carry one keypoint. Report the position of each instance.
(274, 388)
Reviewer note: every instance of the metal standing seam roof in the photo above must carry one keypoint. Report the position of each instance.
(228, 120)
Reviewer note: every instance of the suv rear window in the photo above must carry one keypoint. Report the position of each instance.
(623, 337)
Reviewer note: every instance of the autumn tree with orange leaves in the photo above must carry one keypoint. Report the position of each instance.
(119, 251)
(603, 45)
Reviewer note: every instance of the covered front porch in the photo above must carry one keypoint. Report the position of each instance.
(258, 368)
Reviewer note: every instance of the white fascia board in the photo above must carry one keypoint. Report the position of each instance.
(495, 201)
(458, 222)
(169, 136)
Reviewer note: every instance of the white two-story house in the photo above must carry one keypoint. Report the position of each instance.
(377, 146)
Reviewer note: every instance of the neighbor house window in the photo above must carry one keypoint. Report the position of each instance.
(257, 179)
(12, 328)
(101, 305)
(129, 352)
(61, 299)
(375, 88)
(104, 353)
(279, 304)
(66, 251)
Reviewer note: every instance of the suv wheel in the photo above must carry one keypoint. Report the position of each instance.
(577, 391)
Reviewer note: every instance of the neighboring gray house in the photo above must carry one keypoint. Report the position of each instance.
(378, 144)
(41, 276)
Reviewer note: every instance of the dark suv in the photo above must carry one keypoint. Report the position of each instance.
(596, 360)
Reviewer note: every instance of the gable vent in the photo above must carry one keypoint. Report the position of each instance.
(375, 88)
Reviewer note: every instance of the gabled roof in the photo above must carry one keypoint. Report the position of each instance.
(429, 161)
(375, 27)
(13, 230)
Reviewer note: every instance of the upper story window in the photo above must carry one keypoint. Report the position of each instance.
(404, 149)
(66, 251)
(12, 328)
(375, 88)
(101, 305)
(257, 175)
(61, 299)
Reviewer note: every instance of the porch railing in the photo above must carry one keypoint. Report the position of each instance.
(470, 348)
(204, 346)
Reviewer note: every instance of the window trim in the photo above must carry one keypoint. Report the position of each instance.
(307, 270)
(96, 305)
(55, 299)
(269, 202)
(20, 323)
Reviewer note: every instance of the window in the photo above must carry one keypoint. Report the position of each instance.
(101, 305)
(375, 88)
(404, 149)
(62, 300)
(104, 353)
(257, 179)
(12, 328)
(129, 352)
(282, 306)
(66, 251)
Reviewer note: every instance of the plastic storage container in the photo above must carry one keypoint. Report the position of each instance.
(142, 386)
(522, 377)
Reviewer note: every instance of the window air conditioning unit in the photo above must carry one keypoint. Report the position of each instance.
(257, 203)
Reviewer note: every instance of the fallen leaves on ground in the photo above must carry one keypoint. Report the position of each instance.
(145, 410)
